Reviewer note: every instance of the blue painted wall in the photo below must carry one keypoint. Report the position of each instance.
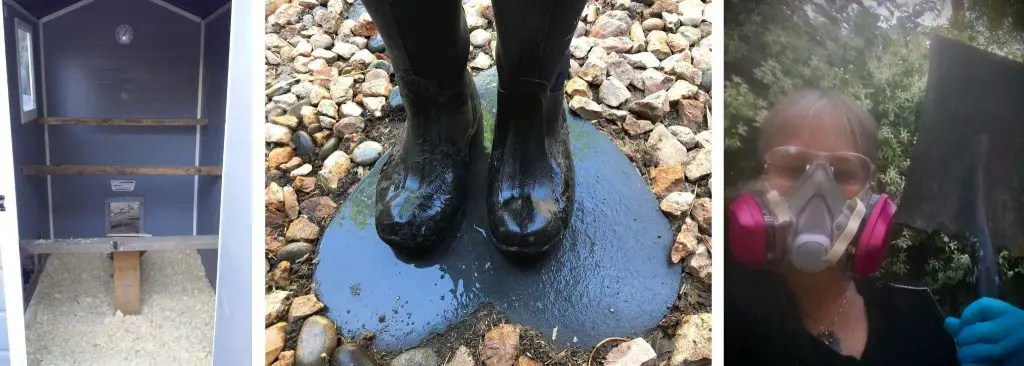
(88, 74)
(28, 138)
(211, 142)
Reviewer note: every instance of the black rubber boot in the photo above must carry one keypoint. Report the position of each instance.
(420, 194)
(531, 180)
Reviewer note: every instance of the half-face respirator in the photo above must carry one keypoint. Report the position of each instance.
(813, 224)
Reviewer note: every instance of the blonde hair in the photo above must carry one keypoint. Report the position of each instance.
(794, 112)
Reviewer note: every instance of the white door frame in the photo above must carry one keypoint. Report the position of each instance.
(10, 246)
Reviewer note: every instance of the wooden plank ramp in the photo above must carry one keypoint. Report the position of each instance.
(127, 287)
(169, 122)
(119, 244)
(119, 170)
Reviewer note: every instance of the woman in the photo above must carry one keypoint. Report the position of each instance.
(803, 240)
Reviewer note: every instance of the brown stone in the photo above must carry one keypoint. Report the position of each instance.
(271, 6)
(527, 361)
(273, 197)
(304, 306)
(274, 341)
(286, 120)
(686, 242)
(462, 357)
(279, 155)
(275, 219)
(321, 137)
(662, 6)
(667, 179)
(636, 127)
(273, 244)
(286, 358)
(692, 339)
(691, 113)
(281, 276)
(500, 346)
(302, 229)
(701, 212)
(364, 28)
(305, 184)
(291, 202)
(318, 209)
(295, 162)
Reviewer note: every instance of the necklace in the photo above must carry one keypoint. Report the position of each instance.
(826, 334)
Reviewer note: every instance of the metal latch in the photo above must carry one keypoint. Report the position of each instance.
(2, 207)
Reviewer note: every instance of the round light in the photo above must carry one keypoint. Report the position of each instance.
(124, 34)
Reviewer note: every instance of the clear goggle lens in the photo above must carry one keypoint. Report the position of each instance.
(790, 163)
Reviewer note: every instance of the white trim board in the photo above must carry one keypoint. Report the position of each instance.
(46, 128)
(220, 11)
(11, 256)
(79, 4)
(199, 114)
(15, 5)
(178, 10)
(68, 9)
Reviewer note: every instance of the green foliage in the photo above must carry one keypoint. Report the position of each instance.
(876, 55)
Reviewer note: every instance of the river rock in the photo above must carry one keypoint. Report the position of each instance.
(668, 150)
(277, 134)
(632, 353)
(304, 145)
(367, 153)
(302, 230)
(274, 341)
(586, 108)
(652, 108)
(303, 306)
(349, 125)
(417, 357)
(274, 306)
(699, 166)
(318, 209)
(479, 37)
(352, 355)
(614, 23)
(317, 339)
(294, 251)
(684, 135)
(580, 47)
(677, 203)
(335, 167)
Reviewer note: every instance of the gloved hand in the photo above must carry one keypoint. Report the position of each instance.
(990, 332)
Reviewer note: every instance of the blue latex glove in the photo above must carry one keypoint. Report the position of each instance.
(990, 332)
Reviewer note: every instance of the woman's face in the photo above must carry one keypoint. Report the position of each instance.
(816, 137)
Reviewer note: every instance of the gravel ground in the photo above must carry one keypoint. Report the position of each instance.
(640, 71)
(72, 319)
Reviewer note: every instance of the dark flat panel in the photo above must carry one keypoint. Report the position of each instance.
(90, 75)
(27, 139)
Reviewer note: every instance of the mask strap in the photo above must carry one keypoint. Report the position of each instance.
(851, 230)
(780, 208)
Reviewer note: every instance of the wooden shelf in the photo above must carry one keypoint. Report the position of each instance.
(119, 244)
(120, 121)
(118, 170)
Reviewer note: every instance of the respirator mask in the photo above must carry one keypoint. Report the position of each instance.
(813, 223)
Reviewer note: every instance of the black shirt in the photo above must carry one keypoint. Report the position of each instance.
(763, 325)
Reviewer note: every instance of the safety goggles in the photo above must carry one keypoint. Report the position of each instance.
(791, 162)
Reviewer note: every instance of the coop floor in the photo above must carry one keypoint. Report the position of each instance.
(72, 320)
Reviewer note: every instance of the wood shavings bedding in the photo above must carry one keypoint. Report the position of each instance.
(72, 320)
